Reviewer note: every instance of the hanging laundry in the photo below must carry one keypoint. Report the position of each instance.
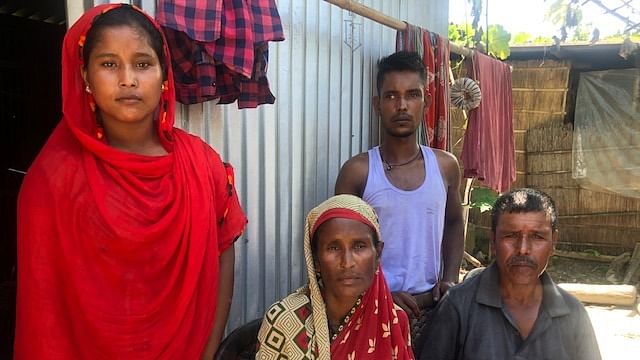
(254, 93)
(193, 68)
(234, 48)
(434, 49)
(201, 20)
(488, 152)
(229, 67)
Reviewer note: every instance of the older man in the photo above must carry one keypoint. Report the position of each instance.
(513, 310)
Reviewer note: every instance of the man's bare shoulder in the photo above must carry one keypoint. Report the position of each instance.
(445, 157)
(357, 161)
(447, 161)
(353, 175)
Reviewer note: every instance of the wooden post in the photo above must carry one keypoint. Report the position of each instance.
(634, 264)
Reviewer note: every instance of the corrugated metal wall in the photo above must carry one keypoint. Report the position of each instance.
(287, 155)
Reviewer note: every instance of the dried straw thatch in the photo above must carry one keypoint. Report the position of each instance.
(588, 219)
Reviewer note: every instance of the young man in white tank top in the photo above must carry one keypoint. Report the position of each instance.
(413, 189)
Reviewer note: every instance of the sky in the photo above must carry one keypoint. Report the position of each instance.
(528, 16)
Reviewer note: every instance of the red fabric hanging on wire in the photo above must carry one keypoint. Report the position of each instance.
(434, 50)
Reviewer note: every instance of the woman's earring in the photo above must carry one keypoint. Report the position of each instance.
(319, 279)
(87, 89)
(162, 87)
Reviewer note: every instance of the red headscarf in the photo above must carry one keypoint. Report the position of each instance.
(378, 328)
(297, 327)
(118, 252)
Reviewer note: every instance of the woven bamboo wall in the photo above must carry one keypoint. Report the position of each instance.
(588, 220)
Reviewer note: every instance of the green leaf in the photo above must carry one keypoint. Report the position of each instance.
(499, 41)
(521, 38)
(483, 198)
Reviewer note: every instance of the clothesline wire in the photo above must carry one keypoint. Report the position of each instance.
(387, 20)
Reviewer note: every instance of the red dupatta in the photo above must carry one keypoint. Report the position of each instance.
(118, 252)
(378, 330)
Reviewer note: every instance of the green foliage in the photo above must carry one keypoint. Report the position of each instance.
(556, 12)
(499, 38)
(542, 40)
(482, 198)
(566, 14)
(461, 34)
(521, 38)
(619, 38)
(582, 33)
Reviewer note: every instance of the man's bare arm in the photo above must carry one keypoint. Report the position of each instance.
(353, 176)
(453, 235)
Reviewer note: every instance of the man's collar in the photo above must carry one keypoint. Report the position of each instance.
(489, 287)
(489, 292)
(552, 299)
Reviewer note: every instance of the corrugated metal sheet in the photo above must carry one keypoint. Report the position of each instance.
(287, 156)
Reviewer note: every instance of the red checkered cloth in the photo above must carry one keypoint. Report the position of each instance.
(198, 78)
(255, 91)
(200, 19)
(266, 21)
(235, 47)
(233, 67)
(194, 70)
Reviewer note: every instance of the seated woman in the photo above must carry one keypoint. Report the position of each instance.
(345, 311)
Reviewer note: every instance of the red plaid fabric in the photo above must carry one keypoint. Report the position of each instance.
(198, 78)
(233, 67)
(200, 19)
(194, 70)
(266, 21)
(255, 91)
(235, 47)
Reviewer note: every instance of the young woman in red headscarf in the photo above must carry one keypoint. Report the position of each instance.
(126, 224)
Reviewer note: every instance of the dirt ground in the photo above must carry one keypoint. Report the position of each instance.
(563, 270)
(617, 328)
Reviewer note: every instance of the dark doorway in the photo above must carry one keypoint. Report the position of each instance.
(30, 107)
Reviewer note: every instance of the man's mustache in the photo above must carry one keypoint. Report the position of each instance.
(521, 261)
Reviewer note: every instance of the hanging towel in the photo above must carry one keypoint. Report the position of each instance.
(434, 49)
(488, 152)
(232, 66)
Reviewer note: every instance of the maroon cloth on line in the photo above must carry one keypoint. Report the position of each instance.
(488, 153)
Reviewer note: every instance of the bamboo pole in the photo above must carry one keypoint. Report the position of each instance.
(387, 20)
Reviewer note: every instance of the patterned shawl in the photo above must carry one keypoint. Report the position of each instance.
(297, 326)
